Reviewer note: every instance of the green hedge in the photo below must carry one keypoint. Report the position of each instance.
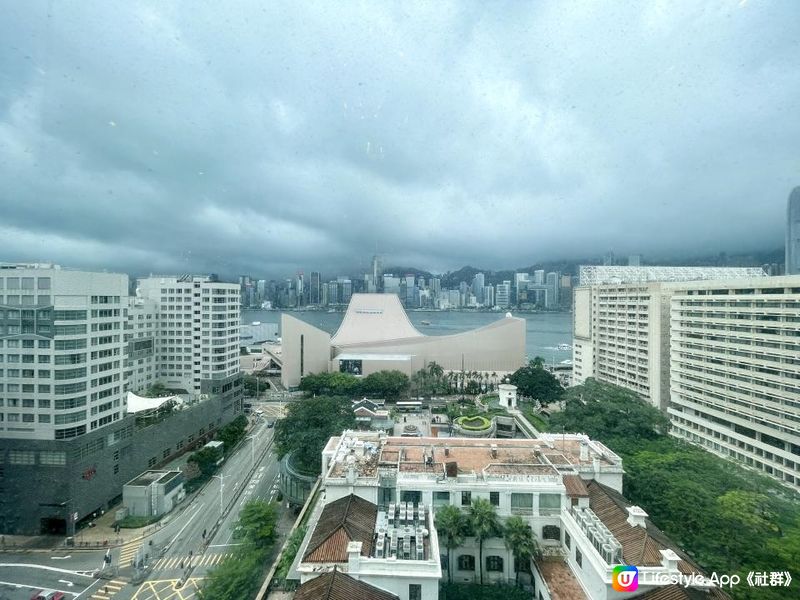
(484, 423)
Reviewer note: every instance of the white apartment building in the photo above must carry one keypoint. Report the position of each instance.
(503, 294)
(61, 351)
(141, 333)
(621, 325)
(735, 371)
(198, 320)
(382, 490)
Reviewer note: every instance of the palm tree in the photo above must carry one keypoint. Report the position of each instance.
(520, 541)
(484, 525)
(494, 379)
(435, 370)
(451, 525)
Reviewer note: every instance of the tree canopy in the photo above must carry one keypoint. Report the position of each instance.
(534, 381)
(307, 427)
(390, 385)
(729, 519)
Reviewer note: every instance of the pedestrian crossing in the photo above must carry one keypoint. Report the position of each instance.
(107, 590)
(128, 553)
(198, 560)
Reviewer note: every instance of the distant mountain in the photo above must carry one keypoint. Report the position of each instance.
(402, 271)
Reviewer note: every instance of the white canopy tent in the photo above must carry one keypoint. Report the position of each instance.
(138, 404)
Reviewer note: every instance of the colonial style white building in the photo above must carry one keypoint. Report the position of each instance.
(381, 493)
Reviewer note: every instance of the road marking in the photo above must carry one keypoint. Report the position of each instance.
(32, 587)
(108, 590)
(64, 581)
(45, 567)
(60, 557)
(128, 552)
(184, 527)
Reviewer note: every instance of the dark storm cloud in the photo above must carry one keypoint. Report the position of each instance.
(258, 137)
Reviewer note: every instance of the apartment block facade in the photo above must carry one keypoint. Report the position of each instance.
(721, 357)
(735, 371)
(72, 344)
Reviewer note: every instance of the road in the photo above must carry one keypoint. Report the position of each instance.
(172, 553)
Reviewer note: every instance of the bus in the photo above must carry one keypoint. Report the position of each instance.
(409, 406)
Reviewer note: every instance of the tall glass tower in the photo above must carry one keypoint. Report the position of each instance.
(793, 233)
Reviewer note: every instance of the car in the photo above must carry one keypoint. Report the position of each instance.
(271, 424)
(48, 595)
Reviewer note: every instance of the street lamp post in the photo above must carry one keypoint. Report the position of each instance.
(221, 488)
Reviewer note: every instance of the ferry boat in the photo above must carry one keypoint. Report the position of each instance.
(425, 322)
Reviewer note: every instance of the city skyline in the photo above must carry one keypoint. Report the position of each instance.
(430, 144)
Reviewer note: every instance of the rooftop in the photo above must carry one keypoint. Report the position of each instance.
(336, 585)
(348, 519)
(560, 580)
(150, 477)
(366, 452)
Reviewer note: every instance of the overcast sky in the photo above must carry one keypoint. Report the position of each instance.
(261, 137)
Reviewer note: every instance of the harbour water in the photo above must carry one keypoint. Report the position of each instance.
(545, 332)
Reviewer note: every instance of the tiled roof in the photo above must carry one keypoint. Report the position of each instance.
(348, 519)
(340, 586)
(679, 592)
(576, 488)
(560, 580)
(640, 545)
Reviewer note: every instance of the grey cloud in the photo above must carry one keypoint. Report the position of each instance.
(267, 137)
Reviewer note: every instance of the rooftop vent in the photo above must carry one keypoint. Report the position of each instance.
(636, 516)
(451, 468)
(494, 450)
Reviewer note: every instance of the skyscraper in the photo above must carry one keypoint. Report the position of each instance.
(314, 288)
(377, 272)
(477, 287)
(793, 233)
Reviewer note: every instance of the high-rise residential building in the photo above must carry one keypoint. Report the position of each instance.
(73, 345)
(488, 296)
(377, 272)
(324, 294)
(391, 284)
(345, 289)
(198, 341)
(333, 292)
(503, 294)
(735, 373)
(478, 284)
(314, 286)
(538, 277)
(621, 330)
(454, 299)
(141, 334)
(552, 282)
(793, 233)
(436, 286)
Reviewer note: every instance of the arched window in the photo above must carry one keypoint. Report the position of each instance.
(551, 532)
(494, 563)
(466, 562)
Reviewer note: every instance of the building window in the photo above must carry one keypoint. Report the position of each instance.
(521, 504)
(494, 563)
(494, 498)
(414, 591)
(567, 539)
(466, 562)
(116, 469)
(466, 498)
(549, 503)
(578, 557)
(441, 499)
(413, 496)
(551, 532)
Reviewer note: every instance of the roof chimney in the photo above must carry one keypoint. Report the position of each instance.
(494, 450)
(584, 450)
(351, 474)
(636, 516)
(447, 451)
(669, 559)
(353, 557)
